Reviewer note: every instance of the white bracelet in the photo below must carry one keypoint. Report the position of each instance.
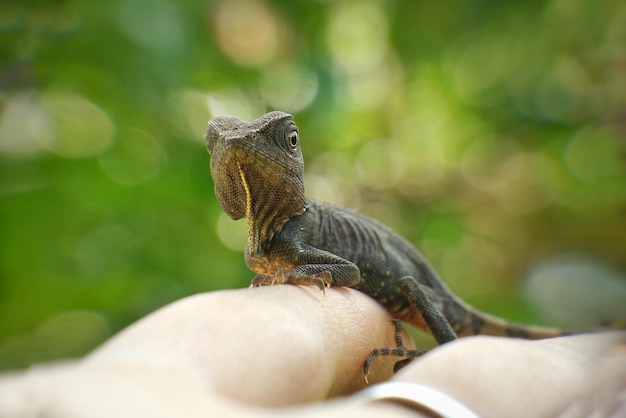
(417, 396)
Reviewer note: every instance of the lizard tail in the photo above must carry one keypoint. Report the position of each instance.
(468, 321)
(481, 323)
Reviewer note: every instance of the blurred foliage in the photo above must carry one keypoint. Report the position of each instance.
(490, 134)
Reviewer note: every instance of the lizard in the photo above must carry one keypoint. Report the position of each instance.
(258, 173)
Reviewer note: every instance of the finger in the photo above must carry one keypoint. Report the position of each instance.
(72, 390)
(497, 376)
(268, 346)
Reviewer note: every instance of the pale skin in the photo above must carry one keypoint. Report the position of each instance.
(248, 352)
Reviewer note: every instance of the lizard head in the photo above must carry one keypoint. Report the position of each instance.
(257, 167)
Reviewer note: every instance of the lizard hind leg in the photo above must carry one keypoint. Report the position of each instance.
(417, 295)
(398, 351)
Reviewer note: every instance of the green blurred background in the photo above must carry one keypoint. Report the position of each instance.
(491, 134)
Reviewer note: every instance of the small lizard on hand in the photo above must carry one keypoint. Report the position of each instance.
(258, 170)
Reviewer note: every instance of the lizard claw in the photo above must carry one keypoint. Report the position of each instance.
(261, 280)
(279, 277)
(321, 281)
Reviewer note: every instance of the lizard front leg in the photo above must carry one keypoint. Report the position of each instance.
(312, 267)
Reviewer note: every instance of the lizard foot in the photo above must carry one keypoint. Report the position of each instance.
(262, 280)
(399, 351)
(321, 280)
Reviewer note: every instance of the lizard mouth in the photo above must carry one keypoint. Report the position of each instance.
(214, 136)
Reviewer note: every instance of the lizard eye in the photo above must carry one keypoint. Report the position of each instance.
(292, 139)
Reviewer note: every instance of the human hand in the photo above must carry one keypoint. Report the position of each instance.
(576, 376)
(228, 352)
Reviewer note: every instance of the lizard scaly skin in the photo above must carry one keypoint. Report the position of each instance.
(258, 168)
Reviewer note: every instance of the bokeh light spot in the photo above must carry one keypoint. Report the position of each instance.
(531, 190)
(480, 171)
(575, 292)
(357, 36)
(190, 114)
(234, 102)
(71, 334)
(331, 177)
(380, 164)
(247, 31)
(592, 154)
(156, 25)
(562, 92)
(24, 126)
(80, 128)
(289, 88)
(369, 89)
(136, 158)
(233, 234)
